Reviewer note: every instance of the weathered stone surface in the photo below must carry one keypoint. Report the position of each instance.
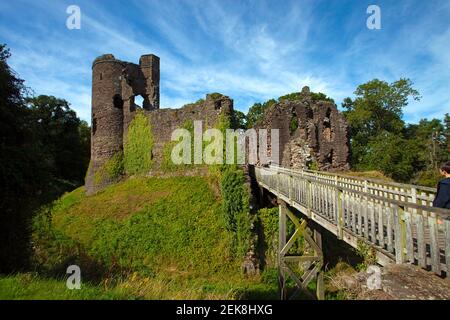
(165, 121)
(398, 282)
(115, 84)
(309, 131)
(320, 133)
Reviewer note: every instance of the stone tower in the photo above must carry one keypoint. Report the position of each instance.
(115, 84)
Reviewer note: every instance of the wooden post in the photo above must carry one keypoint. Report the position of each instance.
(340, 213)
(400, 235)
(434, 244)
(310, 198)
(320, 290)
(409, 237)
(281, 243)
(447, 246)
(421, 245)
(278, 182)
(365, 209)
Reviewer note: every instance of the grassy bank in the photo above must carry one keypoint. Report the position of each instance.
(143, 238)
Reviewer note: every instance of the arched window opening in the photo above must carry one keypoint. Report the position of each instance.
(139, 101)
(117, 101)
(329, 157)
(327, 133)
(309, 114)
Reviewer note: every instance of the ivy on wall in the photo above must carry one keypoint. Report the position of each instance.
(235, 207)
(138, 145)
(111, 170)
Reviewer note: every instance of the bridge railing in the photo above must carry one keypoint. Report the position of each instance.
(397, 220)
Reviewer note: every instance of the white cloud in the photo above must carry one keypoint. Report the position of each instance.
(251, 51)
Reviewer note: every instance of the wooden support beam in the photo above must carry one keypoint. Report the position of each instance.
(397, 221)
(281, 243)
(320, 290)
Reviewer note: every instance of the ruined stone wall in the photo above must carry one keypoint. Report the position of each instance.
(115, 86)
(165, 121)
(310, 132)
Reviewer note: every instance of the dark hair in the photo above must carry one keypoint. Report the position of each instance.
(446, 167)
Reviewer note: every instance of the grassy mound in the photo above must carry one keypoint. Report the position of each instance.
(147, 238)
(32, 287)
(369, 175)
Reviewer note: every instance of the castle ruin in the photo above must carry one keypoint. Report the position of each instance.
(312, 134)
(319, 134)
(115, 85)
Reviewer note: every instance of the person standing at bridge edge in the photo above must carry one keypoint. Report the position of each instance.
(442, 199)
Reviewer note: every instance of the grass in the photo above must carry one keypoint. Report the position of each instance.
(369, 175)
(142, 238)
(30, 286)
(111, 170)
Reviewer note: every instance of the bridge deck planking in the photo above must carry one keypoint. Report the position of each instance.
(396, 220)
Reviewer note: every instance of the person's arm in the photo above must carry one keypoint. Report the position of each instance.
(442, 196)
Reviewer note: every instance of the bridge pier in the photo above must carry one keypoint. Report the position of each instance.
(309, 262)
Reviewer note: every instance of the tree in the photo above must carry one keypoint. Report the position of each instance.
(23, 171)
(430, 137)
(64, 137)
(256, 112)
(377, 110)
(238, 120)
(315, 96)
(430, 134)
(44, 150)
(394, 155)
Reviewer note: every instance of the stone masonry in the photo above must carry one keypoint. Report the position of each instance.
(310, 132)
(321, 133)
(115, 85)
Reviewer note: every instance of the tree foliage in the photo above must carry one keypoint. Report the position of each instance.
(380, 139)
(256, 112)
(22, 171)
(44, 150)
(65, 139)
(238, 120)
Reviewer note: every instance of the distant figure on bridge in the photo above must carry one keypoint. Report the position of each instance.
(442, 199)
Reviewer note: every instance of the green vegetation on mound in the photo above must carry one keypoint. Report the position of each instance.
(138, 145)
(29, 286)
(111, 170)
(156, 238)
(369, 175)
(235, 206)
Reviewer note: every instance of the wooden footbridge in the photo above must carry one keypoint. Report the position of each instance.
(396, 220)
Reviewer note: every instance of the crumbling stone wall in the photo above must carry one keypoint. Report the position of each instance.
(310, 132)
(115, 85)
(165, 121)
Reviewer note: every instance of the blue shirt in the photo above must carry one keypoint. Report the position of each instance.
(442, 199)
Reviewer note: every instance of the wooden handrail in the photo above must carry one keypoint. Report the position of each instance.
(362, 179)
(399, 223)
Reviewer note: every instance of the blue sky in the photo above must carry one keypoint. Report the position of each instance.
(249, 50)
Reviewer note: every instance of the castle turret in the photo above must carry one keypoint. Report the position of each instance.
(107, 116)
(149, 65)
